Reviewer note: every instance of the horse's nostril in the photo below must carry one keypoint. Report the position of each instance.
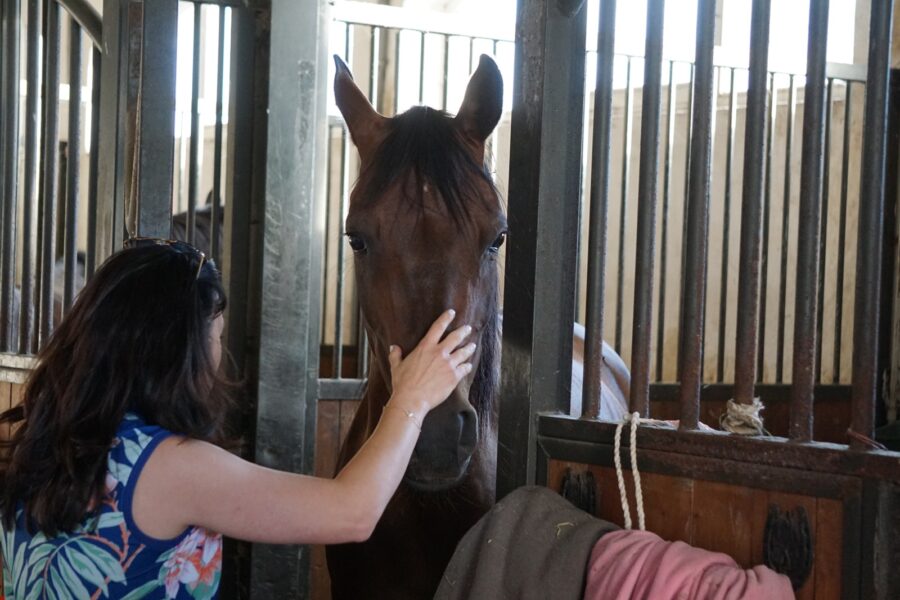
(468, 431)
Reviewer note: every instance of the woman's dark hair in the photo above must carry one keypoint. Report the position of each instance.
(136, 339)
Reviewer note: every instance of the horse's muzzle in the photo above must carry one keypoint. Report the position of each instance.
(445, 447)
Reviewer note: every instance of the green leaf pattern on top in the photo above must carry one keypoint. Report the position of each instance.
(85, 563)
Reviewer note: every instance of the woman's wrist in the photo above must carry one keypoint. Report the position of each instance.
(409, 404)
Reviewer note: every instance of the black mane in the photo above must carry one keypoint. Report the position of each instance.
(425, 144)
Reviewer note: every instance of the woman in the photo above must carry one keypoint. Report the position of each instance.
(114, 482)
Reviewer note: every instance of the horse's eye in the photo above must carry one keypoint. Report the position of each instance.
(356, 242)
(495, 245)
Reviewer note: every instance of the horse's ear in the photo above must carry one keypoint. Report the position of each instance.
(483, 102)
(365, 124)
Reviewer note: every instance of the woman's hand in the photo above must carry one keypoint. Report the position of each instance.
(431, 371)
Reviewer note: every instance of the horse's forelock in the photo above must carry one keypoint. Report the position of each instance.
(424, 146)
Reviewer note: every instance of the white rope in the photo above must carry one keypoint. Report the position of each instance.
(743, 419)
(635, 419)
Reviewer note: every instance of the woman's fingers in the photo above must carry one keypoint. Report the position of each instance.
(455, 338)
(440, 326)
(463, 354)
(395, 356)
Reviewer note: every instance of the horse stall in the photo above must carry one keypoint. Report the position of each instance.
(722, 491)
(728, 227)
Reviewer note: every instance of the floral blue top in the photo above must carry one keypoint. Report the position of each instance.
(108, 556)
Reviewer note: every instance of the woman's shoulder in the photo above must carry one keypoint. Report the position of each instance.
(133, 443)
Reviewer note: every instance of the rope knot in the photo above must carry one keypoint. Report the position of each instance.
(743, 419)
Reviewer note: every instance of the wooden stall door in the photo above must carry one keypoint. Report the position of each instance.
(720, 517)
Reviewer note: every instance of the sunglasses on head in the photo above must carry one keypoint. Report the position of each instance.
(177, 245)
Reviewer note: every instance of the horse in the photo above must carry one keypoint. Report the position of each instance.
(425, 224)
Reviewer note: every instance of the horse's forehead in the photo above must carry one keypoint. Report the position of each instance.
(401, 211)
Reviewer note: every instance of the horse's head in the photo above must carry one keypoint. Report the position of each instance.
(425, 223)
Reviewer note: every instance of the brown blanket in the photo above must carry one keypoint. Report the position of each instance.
(533, 544)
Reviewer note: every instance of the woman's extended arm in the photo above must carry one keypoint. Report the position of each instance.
(187, 482)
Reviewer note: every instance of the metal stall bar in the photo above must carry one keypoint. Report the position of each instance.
(50, 168)
(697, 218)
(601, 150)
(842, 234)
(291, 227)
(337, 350)
(751, 209)
(726, 227)
(194, 146)
(90, 263)
(785, 215)
(671, 97)
(32, 157)
(10, 116)
(626, 176)
(803, 374)
(823, 230)
(73, 169)
(687, 190)
(766, 217)
(545, 181)
(647, 197)
(156, 119)
(871, 217)
(215, 229)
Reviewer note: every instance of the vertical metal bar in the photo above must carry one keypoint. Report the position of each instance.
(823, 231)
(396, 71)
(51, 169)
(471, 52)
(93, 174)
(785, 216)
(647, 198)
(751, 207)
(215, 216)
(375, 37)
(422, 67)
(446, 69)
(868, 257)
(766, 218)
(363, 362)
(545, 183)
(688, 133)
(32, 157)
(291, 234)
(73, 170)
(601, 162)
(667, 162)
(10, 175)
(726, 228)
(156, 118)
(194, 148)
(626, 175)
(803, 375)
(697, 219)
(338, 348)
(842, 233)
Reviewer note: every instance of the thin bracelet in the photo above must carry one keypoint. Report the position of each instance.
(409, 414)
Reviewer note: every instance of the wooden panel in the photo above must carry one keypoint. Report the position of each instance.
(328, 444)
(723, 518)
(790, 502)
(829, 541)
(5, 404)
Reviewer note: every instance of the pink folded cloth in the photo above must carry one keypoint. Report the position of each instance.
(641, 565)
